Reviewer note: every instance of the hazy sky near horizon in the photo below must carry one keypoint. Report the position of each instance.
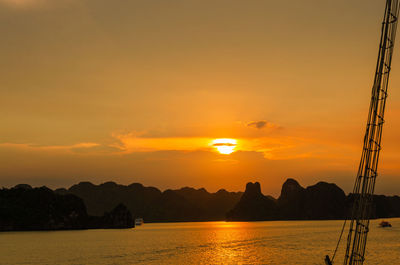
(136, 91)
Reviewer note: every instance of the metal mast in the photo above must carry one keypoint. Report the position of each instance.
(367, 172)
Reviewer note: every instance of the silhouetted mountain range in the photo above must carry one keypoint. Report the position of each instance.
(185, 204)
(25, 208)
(322, 201)
(253, 205)
(86, 205)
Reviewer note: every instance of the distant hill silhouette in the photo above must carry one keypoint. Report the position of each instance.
(322, 201)
(185, 204)
(253, 206)
(86, 205)
(25, 208)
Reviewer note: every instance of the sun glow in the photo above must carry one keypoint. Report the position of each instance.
(224, 145)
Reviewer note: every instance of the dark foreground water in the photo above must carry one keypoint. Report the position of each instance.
(282, 242)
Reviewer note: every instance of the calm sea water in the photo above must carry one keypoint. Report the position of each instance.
(282, 242)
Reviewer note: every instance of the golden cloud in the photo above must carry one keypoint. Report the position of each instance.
(49, 147)
(22, 3)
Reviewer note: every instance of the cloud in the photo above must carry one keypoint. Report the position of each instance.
(73, 147)
(36, 4)
(257, 124)
(137, 142)
(22, 3)
(271, 148)
(262, 124)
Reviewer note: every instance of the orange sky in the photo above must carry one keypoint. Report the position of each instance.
(136, 91)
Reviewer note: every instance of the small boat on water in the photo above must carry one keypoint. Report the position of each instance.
(138, 221)
(385, 224)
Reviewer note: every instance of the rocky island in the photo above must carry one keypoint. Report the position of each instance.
(111, 205)
(27, 208)
(322, 201)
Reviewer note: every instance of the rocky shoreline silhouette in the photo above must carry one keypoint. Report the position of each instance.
(322, 201)
(110, 205)
(24, 208)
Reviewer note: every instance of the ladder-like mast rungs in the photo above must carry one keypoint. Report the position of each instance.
(368, 167)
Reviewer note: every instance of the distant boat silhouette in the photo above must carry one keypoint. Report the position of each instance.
(138, 221)
(385, 224)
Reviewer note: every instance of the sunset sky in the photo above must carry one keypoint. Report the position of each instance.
(138, 91)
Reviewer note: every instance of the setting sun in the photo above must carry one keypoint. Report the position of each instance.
(225, 146)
